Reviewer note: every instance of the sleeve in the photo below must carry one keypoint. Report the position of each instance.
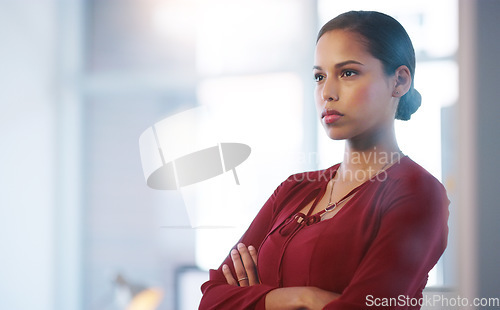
(217, 294)
(412, 236)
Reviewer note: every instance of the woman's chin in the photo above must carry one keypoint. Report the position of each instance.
(335, 134)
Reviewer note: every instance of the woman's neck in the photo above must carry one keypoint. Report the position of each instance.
(371, 153)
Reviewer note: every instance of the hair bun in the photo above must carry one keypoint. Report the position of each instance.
(408, 104)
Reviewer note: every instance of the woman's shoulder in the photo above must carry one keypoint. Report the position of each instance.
(407, 176)
(407, 169)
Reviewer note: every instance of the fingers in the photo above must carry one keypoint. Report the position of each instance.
(249, 265)
(245, 266)
(228, 275)
(253, 254)
(241, 274)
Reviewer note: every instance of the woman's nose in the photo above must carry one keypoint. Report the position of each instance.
(330, 92)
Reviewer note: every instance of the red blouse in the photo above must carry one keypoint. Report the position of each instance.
(380, 245)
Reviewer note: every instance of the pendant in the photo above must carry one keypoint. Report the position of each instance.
(331, 206)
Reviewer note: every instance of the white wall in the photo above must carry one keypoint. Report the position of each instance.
(27, 158)
(488, 148)
(479, 110)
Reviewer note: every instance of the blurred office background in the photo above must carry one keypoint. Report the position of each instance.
(81, 80)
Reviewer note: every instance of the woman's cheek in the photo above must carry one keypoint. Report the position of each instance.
(361, 95)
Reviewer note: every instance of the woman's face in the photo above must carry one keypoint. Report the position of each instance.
(354, 96)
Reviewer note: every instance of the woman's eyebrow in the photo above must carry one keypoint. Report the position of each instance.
(348, 62)
(341, 64)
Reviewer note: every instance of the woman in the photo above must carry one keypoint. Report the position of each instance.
(364, 233)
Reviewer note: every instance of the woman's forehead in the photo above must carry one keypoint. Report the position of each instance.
(339, 46)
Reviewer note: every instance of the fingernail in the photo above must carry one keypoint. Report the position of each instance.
(251, 248)
(241, 245)
(234, 251)
(224, 267)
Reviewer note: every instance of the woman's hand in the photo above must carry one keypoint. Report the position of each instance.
(316, 298)
(245, 265)
(299, 298)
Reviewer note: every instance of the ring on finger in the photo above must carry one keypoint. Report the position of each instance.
(241, 279)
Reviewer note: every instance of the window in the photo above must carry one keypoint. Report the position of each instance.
(254, 89)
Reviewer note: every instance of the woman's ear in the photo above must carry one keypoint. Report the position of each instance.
(403, 81)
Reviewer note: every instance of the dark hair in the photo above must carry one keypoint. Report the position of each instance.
(387, 41)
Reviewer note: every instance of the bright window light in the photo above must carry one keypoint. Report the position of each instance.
(264, 112)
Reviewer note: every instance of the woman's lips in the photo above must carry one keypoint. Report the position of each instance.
(331, 116)
(330, 119)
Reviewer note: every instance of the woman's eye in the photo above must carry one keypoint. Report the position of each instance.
(348, 73)
(318, 77)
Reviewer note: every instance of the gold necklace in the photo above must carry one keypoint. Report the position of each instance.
(298, 220)
(333, 205)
